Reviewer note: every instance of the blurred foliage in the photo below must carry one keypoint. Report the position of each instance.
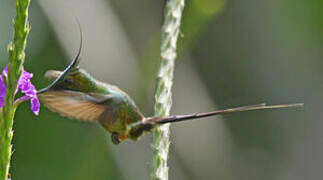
(254, 51)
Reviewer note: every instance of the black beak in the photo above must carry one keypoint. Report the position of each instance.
(73, 66)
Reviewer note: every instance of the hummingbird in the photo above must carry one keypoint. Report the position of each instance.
(75, 94)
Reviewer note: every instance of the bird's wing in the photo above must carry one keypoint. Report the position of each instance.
(74, 105)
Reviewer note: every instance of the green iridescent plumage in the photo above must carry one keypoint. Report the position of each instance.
(72, 93)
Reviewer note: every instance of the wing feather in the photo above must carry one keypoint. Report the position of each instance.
(73, 104)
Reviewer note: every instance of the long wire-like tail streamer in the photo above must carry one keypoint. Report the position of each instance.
(179, 118)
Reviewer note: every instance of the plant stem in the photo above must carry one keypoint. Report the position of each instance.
(163, 96)
(15, 66)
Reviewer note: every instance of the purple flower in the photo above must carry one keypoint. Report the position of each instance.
(3, 92)
(25, 86)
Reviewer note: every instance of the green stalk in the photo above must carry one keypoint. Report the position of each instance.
(15, 66)
(163, 96)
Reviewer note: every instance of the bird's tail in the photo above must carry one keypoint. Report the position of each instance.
(137, 129)
(179, 118)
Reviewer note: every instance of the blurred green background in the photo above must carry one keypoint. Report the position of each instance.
(231, 53)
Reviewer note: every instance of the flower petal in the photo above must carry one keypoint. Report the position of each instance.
(26, 87)
(2, 92)
(5, 71)
(35, 105)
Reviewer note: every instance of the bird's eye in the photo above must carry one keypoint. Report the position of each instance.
(68, 81)
(115, 138)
